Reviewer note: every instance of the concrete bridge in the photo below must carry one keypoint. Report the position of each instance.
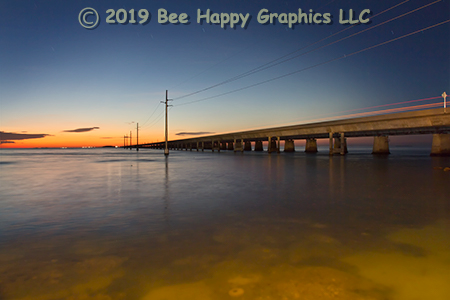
(430, 121)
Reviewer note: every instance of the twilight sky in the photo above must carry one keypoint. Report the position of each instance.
(64, 85)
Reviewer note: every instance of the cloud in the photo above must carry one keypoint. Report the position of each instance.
(81, 129)
(8, 136)
(7, 142)
(194, 133)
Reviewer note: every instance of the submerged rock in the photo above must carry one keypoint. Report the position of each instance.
(236, 292)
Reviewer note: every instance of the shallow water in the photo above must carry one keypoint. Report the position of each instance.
(116, 224)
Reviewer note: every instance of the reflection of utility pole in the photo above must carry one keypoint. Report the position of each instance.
(137, 136)
(166, 193)
(166, 149)
(131, 142)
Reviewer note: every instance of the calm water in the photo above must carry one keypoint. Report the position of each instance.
(115, 224)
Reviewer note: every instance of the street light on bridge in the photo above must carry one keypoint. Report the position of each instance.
(444, 95)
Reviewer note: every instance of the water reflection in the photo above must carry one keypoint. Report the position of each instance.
(166, 189)
(210, 226)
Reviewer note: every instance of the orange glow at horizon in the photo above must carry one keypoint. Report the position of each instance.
(75, 140)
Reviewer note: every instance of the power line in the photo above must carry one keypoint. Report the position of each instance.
(337, 41)
(317, 65)
(272, 63)
(327, 4)
(201, 72)
(218, 63)
(155, 121)
(151, 114)
(327, 117)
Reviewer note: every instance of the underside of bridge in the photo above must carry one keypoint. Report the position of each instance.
(338, 145)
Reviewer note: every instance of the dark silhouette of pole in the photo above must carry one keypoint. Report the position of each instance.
(137, 136)
(166, 149)
(131, 142)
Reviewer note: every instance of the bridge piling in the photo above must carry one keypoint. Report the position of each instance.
(289, 146)
(278, 144)
(269, 144)
(238, 145)
(331, 143)
(311, 145)
(440, 145)
(223, 146)
(272, 146)
(259, 146)
(343, 144)
(247, 146)
(381, 145)
(340, 145)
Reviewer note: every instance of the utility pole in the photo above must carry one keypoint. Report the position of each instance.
(137, 136)
(131, 142)
(166, 149)
(126, 141)
(123, 142)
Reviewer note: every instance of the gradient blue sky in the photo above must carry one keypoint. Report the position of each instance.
(57, 76)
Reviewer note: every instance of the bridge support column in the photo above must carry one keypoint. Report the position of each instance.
(343, 144)
(331, 143)
(278, 144)
(197, 147)
(247, 146)
(381, 145)
(215, 146)
(440, 145)
(190, 146)
(289, 146)
(238, 145)
(203, 146)
(223, 146)
(311, 146)
(186, 147)
(259, 146)
(230, 146)
(272, 146)
(337, 145)
(340, 145)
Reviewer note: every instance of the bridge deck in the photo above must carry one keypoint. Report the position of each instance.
(415, 122)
